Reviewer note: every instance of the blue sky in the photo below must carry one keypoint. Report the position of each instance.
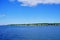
(17, 11)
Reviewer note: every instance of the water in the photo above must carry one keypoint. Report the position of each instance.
(29, 32)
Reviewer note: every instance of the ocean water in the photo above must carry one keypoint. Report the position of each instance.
(29, 32)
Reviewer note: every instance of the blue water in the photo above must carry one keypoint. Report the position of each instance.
(29, 32)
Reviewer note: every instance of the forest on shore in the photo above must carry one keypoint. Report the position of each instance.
(37, 24)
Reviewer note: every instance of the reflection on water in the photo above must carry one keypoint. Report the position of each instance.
(29, 33)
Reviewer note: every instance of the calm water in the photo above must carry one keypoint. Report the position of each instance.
(29, 33)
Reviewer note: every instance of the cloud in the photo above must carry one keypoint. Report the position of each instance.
(2, 15)
(36, 2)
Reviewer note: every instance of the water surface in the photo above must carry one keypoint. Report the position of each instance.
(29, 32)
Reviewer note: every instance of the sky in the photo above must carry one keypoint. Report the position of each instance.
(29, 11)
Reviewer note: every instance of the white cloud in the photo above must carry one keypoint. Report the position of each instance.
(36, 2)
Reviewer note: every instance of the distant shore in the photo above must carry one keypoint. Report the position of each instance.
(36, 24)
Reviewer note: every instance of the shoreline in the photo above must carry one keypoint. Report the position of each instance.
(36, 24)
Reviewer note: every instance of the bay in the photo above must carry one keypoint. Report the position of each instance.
(29, 32)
